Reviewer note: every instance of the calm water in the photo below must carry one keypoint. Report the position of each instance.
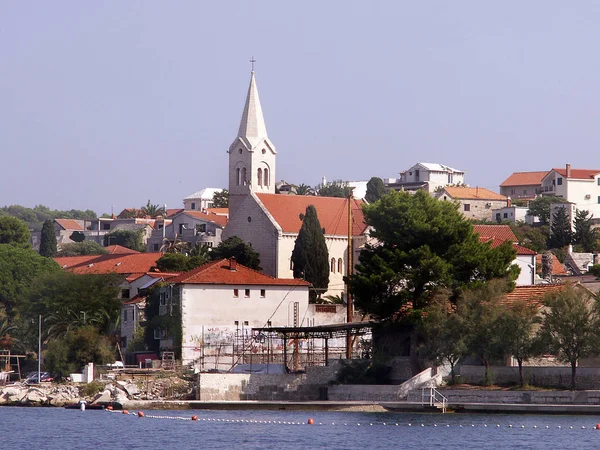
(53, 428)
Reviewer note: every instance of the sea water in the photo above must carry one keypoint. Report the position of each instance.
(54, 428)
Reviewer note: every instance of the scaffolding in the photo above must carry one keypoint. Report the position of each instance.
(10, 364)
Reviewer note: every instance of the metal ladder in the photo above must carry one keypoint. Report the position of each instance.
(432, 397)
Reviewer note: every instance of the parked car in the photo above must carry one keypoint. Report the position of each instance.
(32, 377)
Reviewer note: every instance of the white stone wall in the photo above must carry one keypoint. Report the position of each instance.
(527, 265)
(584, 194)
(215, 306)
(511, 214)
(480, 209)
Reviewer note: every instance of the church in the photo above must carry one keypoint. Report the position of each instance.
(270, 222)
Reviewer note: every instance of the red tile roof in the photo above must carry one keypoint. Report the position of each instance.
(173, 212)
(126, 264)
(557, 267)
(525, 179)
(119, 250)
(531, 294)
(219, 272)
(219, 211)
(580, 174)
(218, 219)
(501, 232)
(69, 224)
(472, 193)
(497, 242)
(332, 213)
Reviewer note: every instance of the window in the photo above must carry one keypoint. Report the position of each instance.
(236, 293)
(559, 181)
(599, 199)
(182, 226)
(155, 247)
(260, 177)
(263, 293)
(506, 215)
(512, 192)
(124, 342)
(125, 316)
(156, 333)
(598, 181)
(525, 191)
(200, 228)
(124, 293)
(244, 177)
(417, 175)
(106, 226)
(340, 268)
(246, 293)
(193, 205)
(291, 264)
(266, 177)
(332, 268)
(467, 207)
(240, 151)
(238, 176)
(498, 217)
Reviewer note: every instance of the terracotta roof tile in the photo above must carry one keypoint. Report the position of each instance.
(70, 224)
(501, 232)
(173, 212)
(332, 213)
(119, 250)
(219, 272)
(472, 193)
(580, 174)
(219, 220)
(557, 267)
(525, 179)
(219, 211)
(126, 264)
(531, 294)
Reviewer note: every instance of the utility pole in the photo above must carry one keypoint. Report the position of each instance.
(349, 267)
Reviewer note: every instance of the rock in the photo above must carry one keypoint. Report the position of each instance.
(131, 389)
(34, 395)
(104, 397)
(121, 398)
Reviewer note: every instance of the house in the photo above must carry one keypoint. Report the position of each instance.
(526, 258)
(514, 214)
(475, 203)
(426, 176)
(580, 263)
(192, 226)
(220, 302)
(523, 185)
(578, 186)
(201, 200)
(271, 222)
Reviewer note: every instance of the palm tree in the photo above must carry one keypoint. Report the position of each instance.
(304, 189)
(175, 246)
(151, 210)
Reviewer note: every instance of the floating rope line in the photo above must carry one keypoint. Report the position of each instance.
(310, 421)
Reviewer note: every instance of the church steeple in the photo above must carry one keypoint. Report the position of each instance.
(252, 124)
(252, 154)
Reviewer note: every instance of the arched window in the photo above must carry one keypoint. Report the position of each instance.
(340, 264)
(244, 177)
(260, 177)
(238, 176)
(266, 177)
(332, 265)
(291, 263)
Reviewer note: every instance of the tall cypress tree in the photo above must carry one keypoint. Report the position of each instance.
(375, 189)
(560, 230)
(310, 256)
(48, 240)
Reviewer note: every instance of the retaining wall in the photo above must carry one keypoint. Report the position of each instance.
(460, 396)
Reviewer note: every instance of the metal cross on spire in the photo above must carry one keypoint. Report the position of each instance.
(252, 61)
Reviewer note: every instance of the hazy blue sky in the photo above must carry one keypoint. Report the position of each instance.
(112, 103)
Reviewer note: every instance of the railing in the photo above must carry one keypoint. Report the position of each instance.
(432, 397)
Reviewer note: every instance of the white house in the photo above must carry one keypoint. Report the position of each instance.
(271, 222)
(578, 186)
(428, 177)
(201, 200)
(513, 214)
(523, 185)
(220, 302)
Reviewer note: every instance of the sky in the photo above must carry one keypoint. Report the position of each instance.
(108, 104)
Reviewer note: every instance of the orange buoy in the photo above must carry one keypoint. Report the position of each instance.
(194, 417)
(125, 411)
(598, 426)
(141, 414)
(310, 421)
(109, 407)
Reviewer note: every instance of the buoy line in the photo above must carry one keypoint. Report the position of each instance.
(311, 421)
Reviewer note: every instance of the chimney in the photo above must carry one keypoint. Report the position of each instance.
(508, 202)
(568, 170)
(232, 264)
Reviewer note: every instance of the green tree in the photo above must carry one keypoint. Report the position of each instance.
(571, 326)
(560, 230)
(584, 236)
(14, 232)
(533, 237)
(178, 262)
(131, 239)
(48, 240)
(540, 207)
(150, 210)
(304, 189)
(76, 349)
(18, 268)
(137, 342)
(424, 245)
(517, 324)
(221, 199)
(337, 188)
(82, 249)
(375, 189)
(310, 257)
(444, 339)
(235, 247)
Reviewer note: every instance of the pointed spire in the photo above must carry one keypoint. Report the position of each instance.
(252, 124)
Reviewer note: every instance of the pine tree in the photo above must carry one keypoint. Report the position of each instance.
(310, 257)
(48, 240)
(375, 189)
(560, 230)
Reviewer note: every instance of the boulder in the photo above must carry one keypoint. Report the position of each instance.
(34, 395)
(131, 389)
(103, 397)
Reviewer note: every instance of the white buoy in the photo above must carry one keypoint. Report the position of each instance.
(82, 404)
